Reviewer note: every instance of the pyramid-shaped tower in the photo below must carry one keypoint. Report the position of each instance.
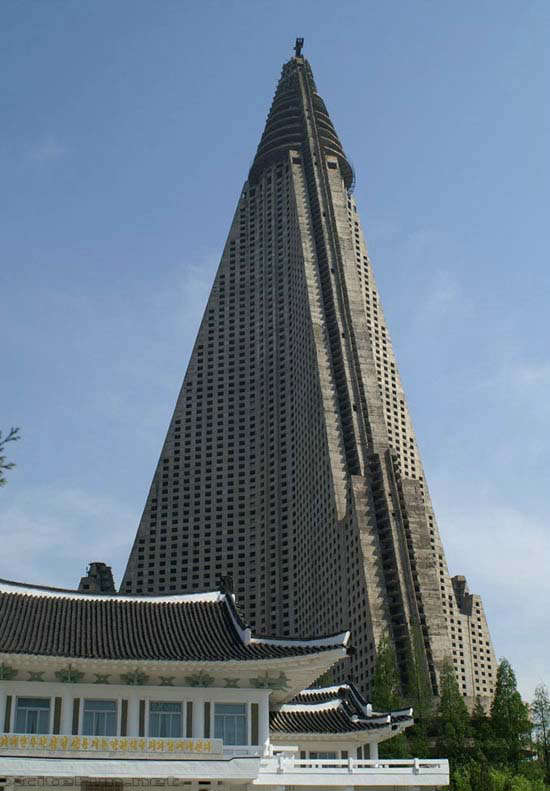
(291, 462)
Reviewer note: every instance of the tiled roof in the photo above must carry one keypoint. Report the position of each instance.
(339, 709)
(199, 627)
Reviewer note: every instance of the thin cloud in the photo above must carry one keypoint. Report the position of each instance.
(46, 150)
(505, 554)
(50, 535)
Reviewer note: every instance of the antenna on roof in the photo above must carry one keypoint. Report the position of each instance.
(298, 47)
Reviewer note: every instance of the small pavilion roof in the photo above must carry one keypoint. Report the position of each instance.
(332, 710)
(205, 627)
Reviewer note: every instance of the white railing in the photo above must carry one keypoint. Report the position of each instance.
(245, 751)
(285, 764)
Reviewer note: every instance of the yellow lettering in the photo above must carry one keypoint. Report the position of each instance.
(3, 741)
(85, 743)
(63, 742)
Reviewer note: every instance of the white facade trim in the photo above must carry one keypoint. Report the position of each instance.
(341, 639)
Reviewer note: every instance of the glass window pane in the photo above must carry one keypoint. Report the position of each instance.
(34, 703)
(218, 727)
(99, 705)
(99, 718)
(240, 730)
(230, 708)
(165, 720)
(166, 706)
(32, 715)
(230, 723)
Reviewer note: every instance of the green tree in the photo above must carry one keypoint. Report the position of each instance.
(510, 724)
(480, 776)
(386, 694)
(540, 710)
(419, 695)
(419, 688)
(11, 436)
(452, 719)
(481, 733)
(326, 679)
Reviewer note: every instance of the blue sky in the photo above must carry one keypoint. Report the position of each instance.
(127, 132)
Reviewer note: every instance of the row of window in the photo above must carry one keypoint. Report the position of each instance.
(99, 718)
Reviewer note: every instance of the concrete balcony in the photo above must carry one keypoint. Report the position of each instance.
(283, 770)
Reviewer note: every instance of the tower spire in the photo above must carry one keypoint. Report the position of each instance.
(298, 47)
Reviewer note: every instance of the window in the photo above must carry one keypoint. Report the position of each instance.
(230, 723)
(165, 720)
(99, 718)
(32, 715)
(322, 755)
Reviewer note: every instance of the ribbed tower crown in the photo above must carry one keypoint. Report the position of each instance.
(286, 126)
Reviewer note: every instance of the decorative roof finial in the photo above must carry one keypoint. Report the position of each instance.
(298, 47)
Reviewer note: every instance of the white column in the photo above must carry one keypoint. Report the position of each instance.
(373, 751)
(66, 724)
(263, 725)
(133, 714)
(198, 719)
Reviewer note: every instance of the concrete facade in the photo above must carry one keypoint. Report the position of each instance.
(291, 461)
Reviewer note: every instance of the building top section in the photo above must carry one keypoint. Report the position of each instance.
(203, 627)
(98, 579)
(295, 106)
(339, 709)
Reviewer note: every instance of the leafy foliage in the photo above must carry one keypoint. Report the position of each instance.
(419, 696)
(510, 724)
(452, 719)
(386, 694)
(12, 436)
(540, 710)
(486, 752)
(326, 679)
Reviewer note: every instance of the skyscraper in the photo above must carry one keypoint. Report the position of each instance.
(291, 461)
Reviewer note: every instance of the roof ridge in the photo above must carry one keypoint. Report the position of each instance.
(47, 591)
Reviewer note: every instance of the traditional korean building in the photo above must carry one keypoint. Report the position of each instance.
(105, 691)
